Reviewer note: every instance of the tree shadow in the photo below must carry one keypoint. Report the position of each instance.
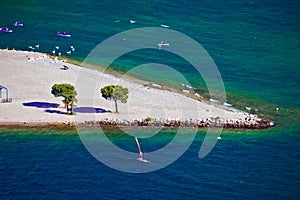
(90, 110)
(41, 104)
(55, 111)
(48, 105)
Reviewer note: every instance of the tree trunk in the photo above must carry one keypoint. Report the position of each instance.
(116, 105)
(67, 105)
(72, 107)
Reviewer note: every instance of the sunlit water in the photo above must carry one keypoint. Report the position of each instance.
(255, 45)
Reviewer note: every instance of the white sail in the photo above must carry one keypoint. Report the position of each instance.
(141, 158)
(139, 147)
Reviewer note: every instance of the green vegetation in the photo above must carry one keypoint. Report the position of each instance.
(115, 93)
(68, 92)
(148, 119)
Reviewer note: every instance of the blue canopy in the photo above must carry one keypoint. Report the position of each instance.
(2, 87)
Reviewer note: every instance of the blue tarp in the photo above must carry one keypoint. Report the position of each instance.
(2, 87)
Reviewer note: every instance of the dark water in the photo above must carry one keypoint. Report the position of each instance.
(53, 164)
(256, 46)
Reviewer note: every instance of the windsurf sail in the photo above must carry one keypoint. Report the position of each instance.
(141, 158)
(139, 147)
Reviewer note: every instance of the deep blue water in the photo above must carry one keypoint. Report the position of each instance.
(256, 47)
(53, 164)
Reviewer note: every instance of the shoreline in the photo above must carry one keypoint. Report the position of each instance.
(30, 75)
(163, 123)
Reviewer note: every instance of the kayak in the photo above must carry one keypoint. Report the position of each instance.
(62, 35)
(17, 25)
(6, 31)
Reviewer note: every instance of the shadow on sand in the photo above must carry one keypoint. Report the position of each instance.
(41, 104)
(55, 111)
(48, 105)
(90, 110)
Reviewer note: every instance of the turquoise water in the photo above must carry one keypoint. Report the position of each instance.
(256, 46)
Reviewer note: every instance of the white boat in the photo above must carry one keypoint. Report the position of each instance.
(162, 44)
(198, 95)
(213, 100)
(165, 26)
(132, 21)
(227, 104)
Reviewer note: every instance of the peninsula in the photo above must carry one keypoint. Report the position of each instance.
(29, 76)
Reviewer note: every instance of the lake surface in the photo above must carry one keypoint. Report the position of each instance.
(256, 47)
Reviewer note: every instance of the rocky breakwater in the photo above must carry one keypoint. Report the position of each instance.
(252, 122)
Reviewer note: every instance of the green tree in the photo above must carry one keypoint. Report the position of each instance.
(115, 93)
(68, 92)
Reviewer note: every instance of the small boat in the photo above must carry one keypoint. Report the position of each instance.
(213, 100)
(142, 160)
(161, 44)
(5, 30)
(219, 138)
(198, 95)
(31, 47)
(132, 21)
(227, 104)
(165, 26)
(63, 35)
(248, 108)
(17, 24)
